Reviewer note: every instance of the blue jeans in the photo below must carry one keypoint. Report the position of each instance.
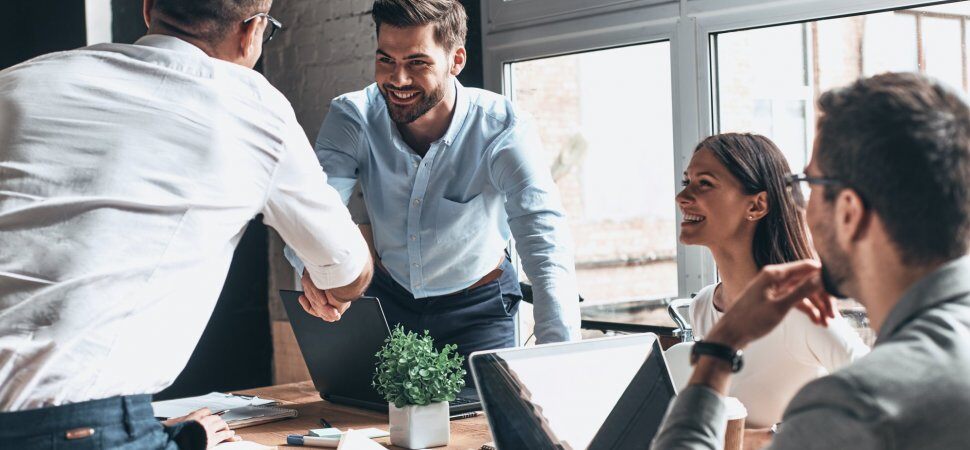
(118, 423)
(473, 319)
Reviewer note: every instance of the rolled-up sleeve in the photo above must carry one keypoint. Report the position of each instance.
(311, 217)
(542, 238)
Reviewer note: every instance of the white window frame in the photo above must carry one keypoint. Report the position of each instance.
(517, 30)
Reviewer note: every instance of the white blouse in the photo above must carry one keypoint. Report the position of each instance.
(780, 363)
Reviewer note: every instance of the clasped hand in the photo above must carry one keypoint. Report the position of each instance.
(321, 303)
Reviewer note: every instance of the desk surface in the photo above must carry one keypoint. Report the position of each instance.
(468, 433)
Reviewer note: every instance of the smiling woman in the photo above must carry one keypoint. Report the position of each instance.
(736, 203)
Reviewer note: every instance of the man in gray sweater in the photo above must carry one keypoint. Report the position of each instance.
(889, 209)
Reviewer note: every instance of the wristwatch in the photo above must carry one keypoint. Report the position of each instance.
(720, 351)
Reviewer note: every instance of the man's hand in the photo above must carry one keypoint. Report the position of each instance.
(216, 429)
(768, 298)
(321, 303)
(763, 304)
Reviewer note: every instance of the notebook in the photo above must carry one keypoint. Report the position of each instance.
(242, 411)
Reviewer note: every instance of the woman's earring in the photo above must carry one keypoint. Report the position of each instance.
(750, 217)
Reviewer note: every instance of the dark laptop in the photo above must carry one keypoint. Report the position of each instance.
(342, 355)
(609, 393)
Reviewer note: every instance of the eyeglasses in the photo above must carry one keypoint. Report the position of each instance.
(271, 28)
(798, 186)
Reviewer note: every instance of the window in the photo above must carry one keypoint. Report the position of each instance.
(769, 62)
(768, 79)
(606, 124)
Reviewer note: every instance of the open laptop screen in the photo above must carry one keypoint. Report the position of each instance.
(608, 393)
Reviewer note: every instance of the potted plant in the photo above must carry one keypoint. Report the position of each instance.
(418, 382)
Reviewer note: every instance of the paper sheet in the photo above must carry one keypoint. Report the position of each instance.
(372, 433)
(215, 401)
(357, 440)
(242, 445)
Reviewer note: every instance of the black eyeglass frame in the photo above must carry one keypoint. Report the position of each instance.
(275, 25)
(795, 178)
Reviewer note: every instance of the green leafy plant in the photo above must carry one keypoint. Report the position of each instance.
(411, 372)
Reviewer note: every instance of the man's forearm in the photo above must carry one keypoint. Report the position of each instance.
(712, 372)
(556, 311)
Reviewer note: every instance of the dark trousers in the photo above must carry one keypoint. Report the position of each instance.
(473, 319)
(117, 422)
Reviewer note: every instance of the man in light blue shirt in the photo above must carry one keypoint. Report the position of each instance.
(448, 175)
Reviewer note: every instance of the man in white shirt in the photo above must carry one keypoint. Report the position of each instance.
(127, 176)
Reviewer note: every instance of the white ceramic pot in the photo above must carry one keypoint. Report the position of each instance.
(419, 426)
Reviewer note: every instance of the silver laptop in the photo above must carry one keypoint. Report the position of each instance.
(609, 393)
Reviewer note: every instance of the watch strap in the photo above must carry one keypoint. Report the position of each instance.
(719, 351)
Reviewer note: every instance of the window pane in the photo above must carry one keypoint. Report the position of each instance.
(605, 119)
(890, 43)
(942, 44)
(769, 78)
(754, 95)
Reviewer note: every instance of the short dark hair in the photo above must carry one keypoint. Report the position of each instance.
(448, 17)
(757, 163)
(208, 20)
(902, 142)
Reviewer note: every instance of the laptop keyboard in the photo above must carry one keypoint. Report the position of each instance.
(462, 401)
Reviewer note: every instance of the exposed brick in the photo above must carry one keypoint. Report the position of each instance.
(326, 50)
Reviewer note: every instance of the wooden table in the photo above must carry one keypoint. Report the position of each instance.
(466, 434)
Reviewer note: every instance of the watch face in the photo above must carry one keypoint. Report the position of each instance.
(737, 363)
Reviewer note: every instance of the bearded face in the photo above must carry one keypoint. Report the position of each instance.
(412, 71)
(405, 105)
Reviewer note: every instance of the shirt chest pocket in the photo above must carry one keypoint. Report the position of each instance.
(456, 221)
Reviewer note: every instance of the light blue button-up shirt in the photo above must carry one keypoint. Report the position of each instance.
(442, 222)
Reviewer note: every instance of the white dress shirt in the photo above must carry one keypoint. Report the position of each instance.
(127, 176)
(777, 365)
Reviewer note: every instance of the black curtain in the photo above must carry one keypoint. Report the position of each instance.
(33, 28)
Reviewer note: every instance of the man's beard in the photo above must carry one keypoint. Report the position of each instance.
(831, 282)
(404, 115)
(835, 264)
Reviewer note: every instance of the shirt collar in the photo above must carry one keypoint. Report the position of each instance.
(461, 112)
(943, 284)
(169, 43)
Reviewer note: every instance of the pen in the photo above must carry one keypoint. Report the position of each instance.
(296, 439)
(219, 413)
(325, 423)
(464, 415)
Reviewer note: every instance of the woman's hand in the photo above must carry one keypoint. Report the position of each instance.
(216, 430)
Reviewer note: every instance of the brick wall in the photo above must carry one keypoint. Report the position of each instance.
(325, 50)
